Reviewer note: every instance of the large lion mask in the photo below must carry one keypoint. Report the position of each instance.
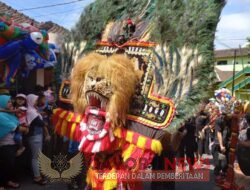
(104, 84)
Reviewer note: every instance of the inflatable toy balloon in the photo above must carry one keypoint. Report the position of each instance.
(11, 54)
(222, 95)
(22, 42)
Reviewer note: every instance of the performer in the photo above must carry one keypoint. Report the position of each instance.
(221, 145)
(102, 89)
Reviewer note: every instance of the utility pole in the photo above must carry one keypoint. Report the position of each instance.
(234, 72)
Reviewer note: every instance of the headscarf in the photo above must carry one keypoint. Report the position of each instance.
(8, 121)
(21, 96)
(32, 112)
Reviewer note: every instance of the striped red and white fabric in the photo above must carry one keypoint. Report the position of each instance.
(102, 141)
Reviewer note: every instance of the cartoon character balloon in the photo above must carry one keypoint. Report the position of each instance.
(22, 43)
(223, 95)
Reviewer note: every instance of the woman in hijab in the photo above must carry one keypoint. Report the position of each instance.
(8, 124)
(36, 128)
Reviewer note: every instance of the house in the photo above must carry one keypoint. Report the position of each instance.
(224, 69)
(55, 32)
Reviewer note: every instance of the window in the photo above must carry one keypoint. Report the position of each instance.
(223, 62)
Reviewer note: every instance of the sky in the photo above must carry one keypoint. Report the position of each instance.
(234, 26)
(232, 30)
(65, 15)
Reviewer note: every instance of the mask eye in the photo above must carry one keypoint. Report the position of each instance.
(98, 79)
(91, 78)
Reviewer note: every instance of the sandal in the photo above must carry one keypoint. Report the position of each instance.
(41, 181)
(13, 185)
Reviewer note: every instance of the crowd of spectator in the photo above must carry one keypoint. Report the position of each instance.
(210, 131)
(24, 127)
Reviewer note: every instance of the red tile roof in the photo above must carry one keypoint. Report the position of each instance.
(19, 17)
(222, 75)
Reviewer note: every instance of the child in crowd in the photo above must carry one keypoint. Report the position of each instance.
(49, 100)
(49, 95)
(42, 106)
(21, 106)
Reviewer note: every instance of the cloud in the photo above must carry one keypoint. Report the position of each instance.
(235, 22)
(73, 17)
(232, 30)
(71, 20)
(234, 26)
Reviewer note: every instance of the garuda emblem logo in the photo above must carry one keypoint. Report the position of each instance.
(63, 170)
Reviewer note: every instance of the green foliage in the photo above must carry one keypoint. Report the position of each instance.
(248, 42)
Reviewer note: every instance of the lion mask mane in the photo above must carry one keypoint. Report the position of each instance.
(104, 82)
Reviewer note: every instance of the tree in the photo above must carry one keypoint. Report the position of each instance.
(248, 42)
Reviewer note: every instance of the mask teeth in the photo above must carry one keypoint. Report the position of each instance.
(103, 103)
(97, 96)
(87, 99)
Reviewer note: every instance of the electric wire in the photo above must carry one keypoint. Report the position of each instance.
(61, 12)
(48, 6)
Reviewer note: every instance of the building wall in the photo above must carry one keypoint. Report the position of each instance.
(239, 60)
(244, 93)
(28, 84)
(40, 77)
(241, 63)
(56, 39)
(236, 81)
(48, 76)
